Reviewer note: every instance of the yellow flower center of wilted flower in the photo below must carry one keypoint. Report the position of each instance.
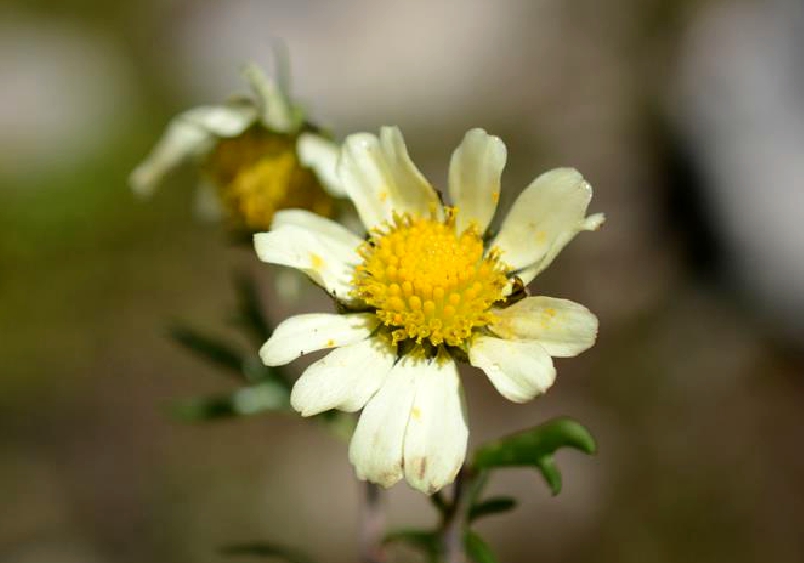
(428, 282)
(258, 173)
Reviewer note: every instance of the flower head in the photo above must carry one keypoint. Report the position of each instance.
(427, 287)
(252, 154)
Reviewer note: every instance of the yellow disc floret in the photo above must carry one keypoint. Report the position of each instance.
(428, 282)
(258, 173)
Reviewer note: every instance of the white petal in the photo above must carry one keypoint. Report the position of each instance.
(519, 369)
(344, 379)
(474, 178)
(323, 258)
(377, 444)
(562, 327)
(275, 108)
(544, 218)
(380, 178)
(303, 334)
(342, 238)
(363, 179)
(179, 143)
(189, 134)
(435, 439)
(591, 223)
(224, 121)
(411, 191)
(321, 155)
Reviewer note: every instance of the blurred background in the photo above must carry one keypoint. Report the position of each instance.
(686, 116)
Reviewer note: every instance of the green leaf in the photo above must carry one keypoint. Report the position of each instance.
(204, 409)
(219, 353)
(439, 502)
(251, 315)
(549, 470)
(246, 401)
(268, 396)
(263, 549)
(535, 448)
(257, 372)
(493, 505)
(477, 549)
(427, 541)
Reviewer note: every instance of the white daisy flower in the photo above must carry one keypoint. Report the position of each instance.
(422, 291)
(253, 155)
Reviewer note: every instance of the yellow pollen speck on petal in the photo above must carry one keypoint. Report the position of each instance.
(383, 196)
(495, 196)
(416, 413)
(548, 317)
(316, 261)
(330, 343)
(445, 284)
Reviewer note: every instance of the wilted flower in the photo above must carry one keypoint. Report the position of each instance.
(250, 155)
(423, 290)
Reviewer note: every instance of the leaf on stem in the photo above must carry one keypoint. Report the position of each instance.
(493, 505)
(219, 353)
(477, 549)
(427, 541)
(257, 372)
(251, 315)
(536, 447)
(246, 401)
(264, 549)
(439, 502)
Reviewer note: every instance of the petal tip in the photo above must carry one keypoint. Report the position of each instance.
(593, 222)
(268, 354)
(141, 182)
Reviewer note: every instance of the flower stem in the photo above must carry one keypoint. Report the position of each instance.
(372, 525)
(454, 525)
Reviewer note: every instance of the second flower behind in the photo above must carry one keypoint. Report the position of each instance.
(249, 155)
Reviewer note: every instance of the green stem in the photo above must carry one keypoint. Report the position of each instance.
(453, 528)
(455, 515)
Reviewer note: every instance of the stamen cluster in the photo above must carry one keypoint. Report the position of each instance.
(428, 282)
(258, 173)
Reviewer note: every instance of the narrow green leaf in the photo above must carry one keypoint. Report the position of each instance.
(268, 396)
(477, 485)
(549, 470)
(425, 540)
(257, 372)
(493, 505)
(535, 448)
(263, 549)
(219, 353)
(204, 409)
(251, 314)
(477, 549)
(246, 401)
(439, 502)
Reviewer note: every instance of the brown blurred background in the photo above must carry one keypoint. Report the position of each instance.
(687, 118)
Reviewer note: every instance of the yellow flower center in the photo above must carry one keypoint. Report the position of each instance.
(258, 173)
(428, 282)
